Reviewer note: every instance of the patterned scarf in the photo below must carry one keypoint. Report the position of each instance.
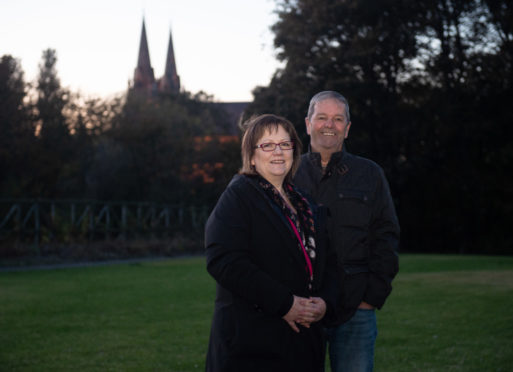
(303, 220)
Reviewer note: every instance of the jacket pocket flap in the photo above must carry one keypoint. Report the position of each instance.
(355, 269)
(360, 195)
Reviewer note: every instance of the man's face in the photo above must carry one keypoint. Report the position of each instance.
(328, 126)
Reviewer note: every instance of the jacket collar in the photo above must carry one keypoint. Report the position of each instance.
(269, 207)
(336, 159)
(273, 212)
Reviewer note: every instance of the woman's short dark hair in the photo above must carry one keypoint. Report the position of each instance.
(254, 128)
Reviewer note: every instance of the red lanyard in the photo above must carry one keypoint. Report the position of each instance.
(307, 259)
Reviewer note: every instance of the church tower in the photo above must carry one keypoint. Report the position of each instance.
(170, 82)
(144, 79)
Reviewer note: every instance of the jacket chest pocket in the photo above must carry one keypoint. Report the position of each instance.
(353, 208)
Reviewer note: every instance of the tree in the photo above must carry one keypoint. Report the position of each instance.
(51, 100)
(17, 132)
(54, 165)
(465, 57)
(427, 83)
(155, 150)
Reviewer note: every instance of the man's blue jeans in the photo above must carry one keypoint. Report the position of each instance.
(351, 345)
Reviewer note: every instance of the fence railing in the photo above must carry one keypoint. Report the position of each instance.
(63, 220)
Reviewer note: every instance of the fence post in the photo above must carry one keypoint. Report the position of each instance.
(91, 223)
(72, 215)
(180, 215)
(123, 221)
(139, 218)
(193, 217)
(37, 226)
(52, 212)
(107, 224)
(16, 212)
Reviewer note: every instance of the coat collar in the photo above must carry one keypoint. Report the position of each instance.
(269, 207)
(338, 161)
(277, 218)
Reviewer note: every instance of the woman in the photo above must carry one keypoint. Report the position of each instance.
(265, 246)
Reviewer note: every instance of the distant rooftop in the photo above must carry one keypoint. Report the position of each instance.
(234, 111)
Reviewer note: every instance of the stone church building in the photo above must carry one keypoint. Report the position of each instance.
(145, 83)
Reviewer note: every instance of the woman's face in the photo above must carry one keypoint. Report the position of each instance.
(273, 165)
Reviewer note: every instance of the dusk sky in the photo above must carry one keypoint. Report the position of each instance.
(223, 47)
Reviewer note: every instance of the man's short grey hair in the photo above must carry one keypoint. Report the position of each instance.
(328, 94)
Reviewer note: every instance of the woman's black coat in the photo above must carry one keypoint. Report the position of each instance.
(256, 259)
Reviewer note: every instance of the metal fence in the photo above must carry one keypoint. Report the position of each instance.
(87, 220)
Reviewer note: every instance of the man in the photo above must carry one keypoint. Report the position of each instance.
(363, 229)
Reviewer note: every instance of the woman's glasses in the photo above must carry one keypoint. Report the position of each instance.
(271, 146)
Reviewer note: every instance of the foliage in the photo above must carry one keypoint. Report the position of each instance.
(429, 84)
(59, 144)
(155, 315)
(151, 152)
(16, 127)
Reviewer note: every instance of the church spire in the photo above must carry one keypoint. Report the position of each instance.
(170, 82)
(144, 79)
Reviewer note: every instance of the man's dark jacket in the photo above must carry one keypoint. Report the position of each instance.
(363, 226)
(255, 258)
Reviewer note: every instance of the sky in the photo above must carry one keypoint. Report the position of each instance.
(222, 47)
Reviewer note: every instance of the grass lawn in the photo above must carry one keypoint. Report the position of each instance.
(446, 313)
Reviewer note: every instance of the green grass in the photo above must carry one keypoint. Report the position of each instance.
(139, 317)
(446, 313)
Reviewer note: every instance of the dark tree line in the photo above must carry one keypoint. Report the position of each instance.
(430, 88)
(56, 144)
(430, 85)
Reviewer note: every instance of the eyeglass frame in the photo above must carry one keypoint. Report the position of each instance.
(276, 145)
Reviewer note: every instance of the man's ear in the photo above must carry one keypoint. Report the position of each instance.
(347, 130)
(308, 125)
